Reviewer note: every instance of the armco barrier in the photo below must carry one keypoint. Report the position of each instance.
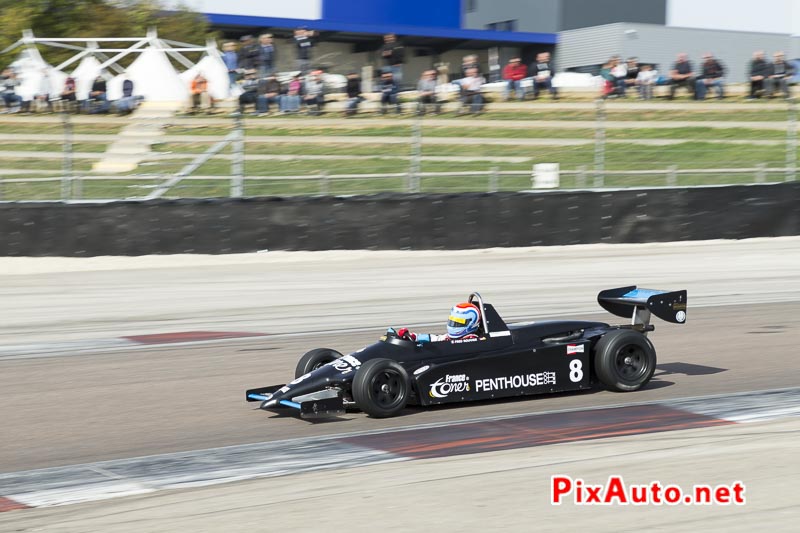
(399, 221)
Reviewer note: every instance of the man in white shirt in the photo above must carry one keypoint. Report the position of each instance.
(471, 90)
(542, 73)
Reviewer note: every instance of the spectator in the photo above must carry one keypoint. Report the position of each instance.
(681, 75)
(609, 79)
(393, 55)
(646, 80)
(290, 102)
(619, 72)
(231, 60)
(43, 93)
(759, 71)
(199, 90)
(249, 88)
(269, 91)
(542, 73)
(266, 56)
(426, 93)
(514, 72)
(314, 97)
(468, 62)
(471, 94)
(98, 97)
(389, 90)
(248, 53)
(711, 75)
(68, 93)
(127, 104)
(353, 90)
(303, 40)
(780, 76)
(631, 74)
(10, 84)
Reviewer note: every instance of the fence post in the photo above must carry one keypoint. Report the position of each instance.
(791, 142)
(580, 178)
(66, 177)
(324, 183)
(672, 175)
(494, 179)
(416, 156)
(237, 164)
(600, 143)
(761, 173)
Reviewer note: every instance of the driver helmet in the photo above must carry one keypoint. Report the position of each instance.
(464, 320)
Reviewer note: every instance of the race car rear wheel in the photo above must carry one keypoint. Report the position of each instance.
(624, 360)
(314, 359)
(381, 388)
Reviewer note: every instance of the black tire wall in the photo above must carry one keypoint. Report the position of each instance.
(397, 221)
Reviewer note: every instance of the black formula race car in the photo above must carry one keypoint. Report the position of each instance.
(504, 360)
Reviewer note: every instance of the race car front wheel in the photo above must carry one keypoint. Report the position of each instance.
(381, 388)
(314, 359)
(624, 360)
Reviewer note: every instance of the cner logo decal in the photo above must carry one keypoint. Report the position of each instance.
(449, 383)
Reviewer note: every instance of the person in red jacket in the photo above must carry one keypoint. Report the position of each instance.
(514, 72)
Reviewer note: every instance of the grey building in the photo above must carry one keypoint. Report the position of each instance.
(655, 31)
(553, 16)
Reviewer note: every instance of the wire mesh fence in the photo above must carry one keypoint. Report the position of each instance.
(599, 149)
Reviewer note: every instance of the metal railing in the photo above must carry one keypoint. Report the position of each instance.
(599, 160)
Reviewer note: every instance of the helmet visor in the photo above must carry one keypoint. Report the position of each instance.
(456, 322)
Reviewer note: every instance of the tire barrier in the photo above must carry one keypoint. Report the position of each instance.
(399, 221)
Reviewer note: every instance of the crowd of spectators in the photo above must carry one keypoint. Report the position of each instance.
(67, 99)
(253, 79)
(766, 79)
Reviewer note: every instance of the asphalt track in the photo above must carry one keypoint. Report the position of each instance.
(92, 404)
(93, 407)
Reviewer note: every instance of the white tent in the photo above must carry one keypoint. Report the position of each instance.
(85, 74)
(152, 73)
(30, 69)
(155, 78)
(214, 70)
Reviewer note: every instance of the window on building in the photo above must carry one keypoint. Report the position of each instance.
(472, 6)
(506, 25)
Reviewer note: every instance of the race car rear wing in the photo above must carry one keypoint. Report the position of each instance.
(640, 303)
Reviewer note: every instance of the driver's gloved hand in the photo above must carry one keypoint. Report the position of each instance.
(404, 333)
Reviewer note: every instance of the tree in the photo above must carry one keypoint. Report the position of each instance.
(95, 18)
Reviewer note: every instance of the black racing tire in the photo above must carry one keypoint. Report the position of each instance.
(624, 360)
(314, 359)
(381, 388)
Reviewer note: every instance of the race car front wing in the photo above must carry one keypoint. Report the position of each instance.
(322, 404)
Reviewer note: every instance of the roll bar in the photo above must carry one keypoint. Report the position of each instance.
(478, 298)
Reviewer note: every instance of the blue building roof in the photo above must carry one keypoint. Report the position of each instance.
(382, 28)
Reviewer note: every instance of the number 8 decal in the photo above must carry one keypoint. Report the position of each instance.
(575, 370)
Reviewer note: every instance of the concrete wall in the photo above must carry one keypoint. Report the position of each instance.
(538, 16)
(558, 15)
(585, 13)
